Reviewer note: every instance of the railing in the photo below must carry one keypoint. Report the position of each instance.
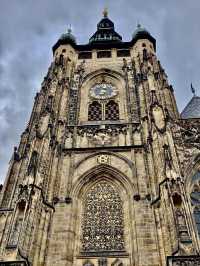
(13, 263)
(183, 261)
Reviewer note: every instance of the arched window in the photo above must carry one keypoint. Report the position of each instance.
(16, 228)
(195, 200)
(102, 224)
(94, 111)
(112, 111)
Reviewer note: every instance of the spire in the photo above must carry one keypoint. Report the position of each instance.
(105, 31)
(105, 12)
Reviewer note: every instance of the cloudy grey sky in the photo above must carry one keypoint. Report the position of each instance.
(29, 28)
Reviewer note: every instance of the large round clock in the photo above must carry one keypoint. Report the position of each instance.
(103, 91)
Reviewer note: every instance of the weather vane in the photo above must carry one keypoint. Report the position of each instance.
(193, 90)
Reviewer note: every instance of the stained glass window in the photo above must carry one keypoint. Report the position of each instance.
(102, 224)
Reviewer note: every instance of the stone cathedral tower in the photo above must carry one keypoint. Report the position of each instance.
(107, 171)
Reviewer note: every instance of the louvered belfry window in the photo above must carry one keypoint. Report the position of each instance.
(112, 111)
(95, 111)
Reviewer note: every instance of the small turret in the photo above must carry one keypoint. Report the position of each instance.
(141, 33)
(65, 38)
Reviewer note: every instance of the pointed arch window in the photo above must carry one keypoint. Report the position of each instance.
(17, 225)
(112, 110)
(103, 111)
(95, 111)
(102, 220)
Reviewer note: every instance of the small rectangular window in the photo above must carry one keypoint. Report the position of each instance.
(123, 53)
(104, 54)
(85, 55)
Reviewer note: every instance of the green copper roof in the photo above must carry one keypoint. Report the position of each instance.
(68, 36)
(140, 30)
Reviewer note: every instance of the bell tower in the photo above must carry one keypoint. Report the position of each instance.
(101, 176)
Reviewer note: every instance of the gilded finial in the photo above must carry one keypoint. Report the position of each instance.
(105, 12)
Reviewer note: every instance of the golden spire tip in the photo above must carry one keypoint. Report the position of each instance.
(105, 12)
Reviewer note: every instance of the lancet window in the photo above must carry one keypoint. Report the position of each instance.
(195, 200)
(95, 111)
(102, 219)
(17, 225)
(112, 111)
(103, 111)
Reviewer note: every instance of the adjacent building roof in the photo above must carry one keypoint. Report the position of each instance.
(192, 109)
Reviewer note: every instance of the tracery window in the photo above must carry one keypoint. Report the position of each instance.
(195, 200)
(95, 111)
(102, 220)
(103, 111)
(112, 111)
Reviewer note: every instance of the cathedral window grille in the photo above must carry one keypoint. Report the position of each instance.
(112, 111)
(95, 111)
(16, 229)
(102, 220)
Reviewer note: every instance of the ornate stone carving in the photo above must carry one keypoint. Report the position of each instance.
(117, 262)
(88, 263)
(102, 134)
(103, 159)
(184, 261)
(102, 226)
(32, 167)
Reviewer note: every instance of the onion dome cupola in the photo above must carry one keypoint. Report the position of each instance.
(142, 33)
(192, 109)
(65, 38)
(105, 31)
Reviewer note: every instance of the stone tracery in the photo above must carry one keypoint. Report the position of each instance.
(102, 225)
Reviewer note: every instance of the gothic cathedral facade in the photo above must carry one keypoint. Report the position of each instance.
(107, 170)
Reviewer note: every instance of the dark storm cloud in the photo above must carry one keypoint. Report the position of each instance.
(29, 28)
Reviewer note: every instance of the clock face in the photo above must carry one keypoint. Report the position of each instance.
(103, 91)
